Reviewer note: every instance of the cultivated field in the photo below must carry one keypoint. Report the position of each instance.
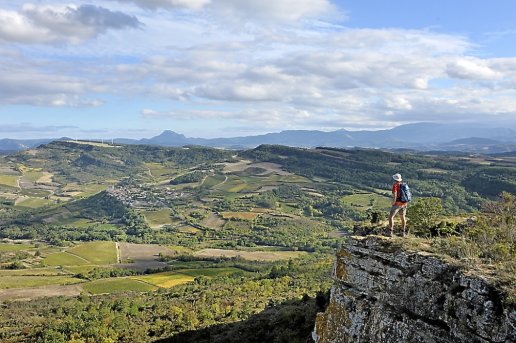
(143, 256)
(9, 180)
(158, 218)
(96, 252)
(92, 253)
(4, 247)
(115, 285)
(166, 279)
(24, 281)
(251, 255)
(40, 292)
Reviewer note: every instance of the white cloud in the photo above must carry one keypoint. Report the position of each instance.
(277, 10)
(472, 69)
(304, 75)
(258, 11)
(60, 23)
(41, 83)
(172, 4)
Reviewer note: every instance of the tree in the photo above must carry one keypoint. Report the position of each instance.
(424, 213)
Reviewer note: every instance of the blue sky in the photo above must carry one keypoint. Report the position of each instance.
(223, 68)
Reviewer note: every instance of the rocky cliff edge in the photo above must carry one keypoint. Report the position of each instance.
(385, 294)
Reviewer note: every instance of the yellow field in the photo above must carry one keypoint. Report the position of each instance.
(166, 279)
(237, 188)
(9, 180)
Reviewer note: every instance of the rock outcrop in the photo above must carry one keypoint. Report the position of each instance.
(384, 294)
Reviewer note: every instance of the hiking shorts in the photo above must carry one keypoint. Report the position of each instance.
(401, 209)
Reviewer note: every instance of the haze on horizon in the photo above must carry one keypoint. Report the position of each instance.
(226, 68)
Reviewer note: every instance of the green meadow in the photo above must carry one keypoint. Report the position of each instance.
(158, 218)
(363, 201)
(116, 285)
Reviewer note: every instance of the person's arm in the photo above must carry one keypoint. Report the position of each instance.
(394, 194)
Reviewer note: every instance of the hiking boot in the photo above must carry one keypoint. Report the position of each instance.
(388, 233)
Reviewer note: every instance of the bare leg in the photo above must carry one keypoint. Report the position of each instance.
(391, 223)
(403, 223)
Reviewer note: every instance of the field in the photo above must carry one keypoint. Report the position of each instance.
(33, 202)
(9, 180)
(251, 255)
(4, 247)
(166, 279)
(182, 276)
(40, 292)
(24, 281)
(213, 221)
(209, 272)
(50, 271)
(142, 256)
(94, 253)
(363, 201)
(213, 180)
(64, 259)
(115, 285)
(239, 215)
(158, 218)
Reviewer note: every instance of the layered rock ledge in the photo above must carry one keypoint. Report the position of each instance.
(385, 294)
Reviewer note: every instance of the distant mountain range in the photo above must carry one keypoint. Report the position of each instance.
(419, 136)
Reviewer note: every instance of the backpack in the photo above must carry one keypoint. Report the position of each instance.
(405, 193)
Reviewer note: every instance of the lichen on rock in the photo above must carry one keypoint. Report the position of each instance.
(383, 293)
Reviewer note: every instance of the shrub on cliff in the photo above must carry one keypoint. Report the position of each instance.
(423, 215)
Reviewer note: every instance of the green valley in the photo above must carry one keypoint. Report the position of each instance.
(201, 236)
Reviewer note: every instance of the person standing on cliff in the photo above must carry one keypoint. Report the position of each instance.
(398, 206)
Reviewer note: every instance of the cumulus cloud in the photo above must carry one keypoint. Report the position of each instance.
(304, 75)
(471, 69)
(26, 82)
(60, 23)
(355, 81)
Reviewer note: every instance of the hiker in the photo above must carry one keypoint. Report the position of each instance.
(399, 204)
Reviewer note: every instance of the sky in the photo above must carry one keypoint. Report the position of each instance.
(226, 68)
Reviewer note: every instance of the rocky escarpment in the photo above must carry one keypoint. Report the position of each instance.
(385, 294)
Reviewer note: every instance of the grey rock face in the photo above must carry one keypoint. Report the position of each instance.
(384, 294)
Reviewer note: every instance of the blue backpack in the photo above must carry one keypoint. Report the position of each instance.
(405, 194)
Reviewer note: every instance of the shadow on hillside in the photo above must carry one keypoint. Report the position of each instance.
(291, 321)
